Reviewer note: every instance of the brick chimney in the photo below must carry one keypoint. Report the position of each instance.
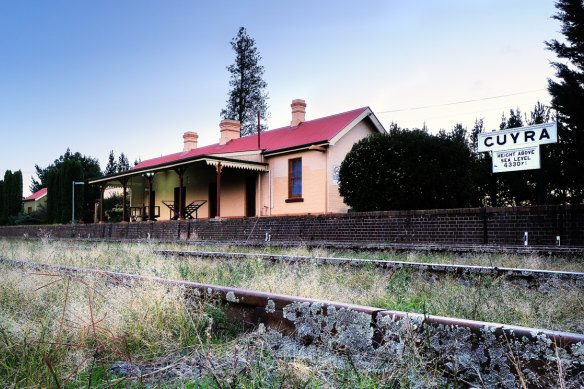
(190, 139)
(229, 130)
(298, 112)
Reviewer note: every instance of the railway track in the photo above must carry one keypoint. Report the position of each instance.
(360, 246)
(481, 353)
(530, 275)
(527, 274)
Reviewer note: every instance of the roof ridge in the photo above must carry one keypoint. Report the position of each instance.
(36, 194)
(308, 121)
(276, 138)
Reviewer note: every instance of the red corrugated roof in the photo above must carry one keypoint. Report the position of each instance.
(317, 130)
(37, 195)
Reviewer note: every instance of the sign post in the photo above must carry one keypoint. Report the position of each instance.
(513, 160)
(517, 148)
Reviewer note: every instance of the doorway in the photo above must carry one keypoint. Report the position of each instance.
(250, 197)
(176, 201)
(212, 200)
(151, 204)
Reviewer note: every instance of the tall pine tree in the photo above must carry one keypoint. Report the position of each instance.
(248, 93)
(112, 166)
(123, 163)
(568, 95)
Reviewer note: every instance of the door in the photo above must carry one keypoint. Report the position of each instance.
(151, 204)
(176, 201)
(250, 197)
(212, 200)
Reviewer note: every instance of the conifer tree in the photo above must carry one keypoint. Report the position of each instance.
(123, 163)
(49, 177)
(1, 202)
(247, 96)
(567, 92)
(53, 203)
(11, 196)
(70, 171)
(112, 166)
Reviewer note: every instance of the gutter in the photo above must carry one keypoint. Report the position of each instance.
(168, 165)
(293, 149)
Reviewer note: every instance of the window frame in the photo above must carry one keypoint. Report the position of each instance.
(291, 178)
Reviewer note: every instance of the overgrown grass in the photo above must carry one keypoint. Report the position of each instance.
(180, 343)
(69, 324)
(528, 261)
(551, 306)
(48, 340)
(572, 262)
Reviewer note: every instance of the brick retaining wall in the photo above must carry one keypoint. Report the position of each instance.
(503, 226)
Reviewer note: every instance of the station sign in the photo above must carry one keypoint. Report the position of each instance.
(512, 160)
(515, 138)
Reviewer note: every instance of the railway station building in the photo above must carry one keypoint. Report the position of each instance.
(286, 171)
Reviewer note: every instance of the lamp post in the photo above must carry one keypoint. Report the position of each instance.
(73, 183)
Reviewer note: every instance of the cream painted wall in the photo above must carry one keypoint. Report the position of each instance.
(313, 181)
(336, 155)
(35, 204)
(264, 194)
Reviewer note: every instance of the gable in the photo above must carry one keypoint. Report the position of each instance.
(365, 115)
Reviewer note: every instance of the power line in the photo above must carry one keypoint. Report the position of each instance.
(460, 102)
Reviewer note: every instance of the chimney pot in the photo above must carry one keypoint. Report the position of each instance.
(298, 112)
(230, 129)
(190, 141)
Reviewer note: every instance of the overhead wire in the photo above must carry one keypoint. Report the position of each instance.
(459, 102)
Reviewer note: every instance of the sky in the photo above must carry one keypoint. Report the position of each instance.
(132, 76)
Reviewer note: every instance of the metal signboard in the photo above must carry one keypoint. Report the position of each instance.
(512, 160)
(515, 138)
(336, 170)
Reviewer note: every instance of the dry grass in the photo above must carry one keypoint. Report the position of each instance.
(73, 324)
(550, 306)
(169, 342)
(163, 332)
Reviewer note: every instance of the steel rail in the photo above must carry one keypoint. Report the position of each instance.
(354, 246)
(495, 349)
(532, 275)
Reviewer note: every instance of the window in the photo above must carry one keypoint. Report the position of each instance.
(294, 180)
(29, 210)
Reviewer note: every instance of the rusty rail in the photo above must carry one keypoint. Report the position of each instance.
(531, 275)
(482, 353)
(356, 246)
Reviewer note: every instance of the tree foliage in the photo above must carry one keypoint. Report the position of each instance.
(58, 177)
(1, 202)
(567, 93)
(11, 197)
(113, 208)
(60, 192)
(112, 165)
(407, 170)
(247, 95)
(414, 169)
(123, 163)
